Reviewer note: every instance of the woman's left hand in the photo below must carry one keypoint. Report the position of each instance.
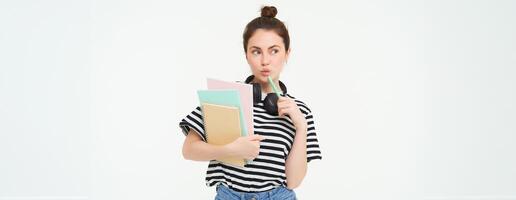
(287, 106)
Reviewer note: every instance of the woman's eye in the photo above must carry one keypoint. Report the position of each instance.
(274, 51)
(255, 52)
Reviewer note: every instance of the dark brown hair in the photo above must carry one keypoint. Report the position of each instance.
(267, 21)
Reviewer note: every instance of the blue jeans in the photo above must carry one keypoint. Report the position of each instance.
(279, 193)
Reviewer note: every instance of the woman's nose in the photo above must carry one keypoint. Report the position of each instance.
(265, 59)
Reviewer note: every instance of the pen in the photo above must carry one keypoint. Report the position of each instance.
(273, 86)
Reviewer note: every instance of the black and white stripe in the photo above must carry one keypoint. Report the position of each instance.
(266, 171)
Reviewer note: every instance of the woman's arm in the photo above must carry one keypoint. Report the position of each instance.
(194, 148)
(296, 163)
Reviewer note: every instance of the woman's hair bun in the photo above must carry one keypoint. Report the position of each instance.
(269, 11)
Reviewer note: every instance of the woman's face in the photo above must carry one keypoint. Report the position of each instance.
(266, 55)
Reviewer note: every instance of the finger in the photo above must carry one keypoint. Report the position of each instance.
(283, 107)
(281, 112)
(260, 138)
(285, 110)
(256, 137)
(286, 103)
(253, 137)
(282, 99)
(292, 102)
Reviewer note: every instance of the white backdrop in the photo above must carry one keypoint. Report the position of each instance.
(412, 99)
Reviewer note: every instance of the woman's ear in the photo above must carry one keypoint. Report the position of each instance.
(287, 55)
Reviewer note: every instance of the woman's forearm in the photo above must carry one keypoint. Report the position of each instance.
(296, 164)
(194, 148)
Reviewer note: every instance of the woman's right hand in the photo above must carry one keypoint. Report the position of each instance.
(247, 147)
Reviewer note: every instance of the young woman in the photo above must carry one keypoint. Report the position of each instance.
(284, 140)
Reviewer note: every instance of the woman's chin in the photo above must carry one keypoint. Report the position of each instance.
(264, 79)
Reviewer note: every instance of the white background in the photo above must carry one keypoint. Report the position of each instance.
(412, 99)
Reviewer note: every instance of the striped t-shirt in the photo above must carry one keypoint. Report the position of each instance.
(267, 170)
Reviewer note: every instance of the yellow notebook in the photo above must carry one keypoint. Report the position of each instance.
(222, 126)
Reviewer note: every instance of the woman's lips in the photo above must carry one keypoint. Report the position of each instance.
(265, 73)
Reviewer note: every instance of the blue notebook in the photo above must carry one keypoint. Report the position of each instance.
(224, 98)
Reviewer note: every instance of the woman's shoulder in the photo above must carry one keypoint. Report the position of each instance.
(302, 105)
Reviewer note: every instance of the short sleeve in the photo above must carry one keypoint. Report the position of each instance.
(313, 151)
(193, 121)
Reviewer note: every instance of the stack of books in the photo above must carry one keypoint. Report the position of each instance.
(227, 109)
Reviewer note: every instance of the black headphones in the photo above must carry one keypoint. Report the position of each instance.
(270, 103)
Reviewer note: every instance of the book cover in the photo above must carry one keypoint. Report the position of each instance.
(222, 126)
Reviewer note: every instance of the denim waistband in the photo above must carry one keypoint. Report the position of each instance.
(222, 189)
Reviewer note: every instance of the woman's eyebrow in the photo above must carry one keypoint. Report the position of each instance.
(255, 47)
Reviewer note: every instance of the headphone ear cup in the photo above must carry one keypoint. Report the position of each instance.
(257, 93)
(270, 104)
